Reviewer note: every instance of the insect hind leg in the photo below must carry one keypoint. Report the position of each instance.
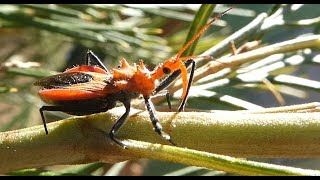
(48, 108)
(90, 56)
(63, 109)
(119, 123)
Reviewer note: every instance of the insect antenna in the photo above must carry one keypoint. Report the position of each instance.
(188, 44)
(182, 68)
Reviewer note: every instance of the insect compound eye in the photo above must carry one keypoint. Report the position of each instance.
(166, 70)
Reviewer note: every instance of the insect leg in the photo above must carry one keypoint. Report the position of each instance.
(167, 94)
(155, 121)
(48, 108)
(62, 109)
(168, 100)
(90, 56)
(183, 103)
(119, 123)
(167, 81)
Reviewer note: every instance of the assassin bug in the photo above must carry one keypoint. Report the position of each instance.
(90, 89)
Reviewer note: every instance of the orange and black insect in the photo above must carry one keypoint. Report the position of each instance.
(91, 89)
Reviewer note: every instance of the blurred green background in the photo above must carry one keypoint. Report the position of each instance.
(40, 40)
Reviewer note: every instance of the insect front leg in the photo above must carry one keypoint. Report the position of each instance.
(90, 56)
(167, 94)
(183, 102)
(155, 120)
(167, 81)
(168, 100)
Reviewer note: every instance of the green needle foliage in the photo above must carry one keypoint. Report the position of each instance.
(274, 61)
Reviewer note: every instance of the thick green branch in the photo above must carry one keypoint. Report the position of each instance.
(214, 161)
(240, 134)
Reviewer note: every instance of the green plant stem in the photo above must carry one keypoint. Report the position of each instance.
(84, 139)
(214, 161)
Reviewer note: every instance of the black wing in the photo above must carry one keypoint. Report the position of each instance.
(64, 79)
